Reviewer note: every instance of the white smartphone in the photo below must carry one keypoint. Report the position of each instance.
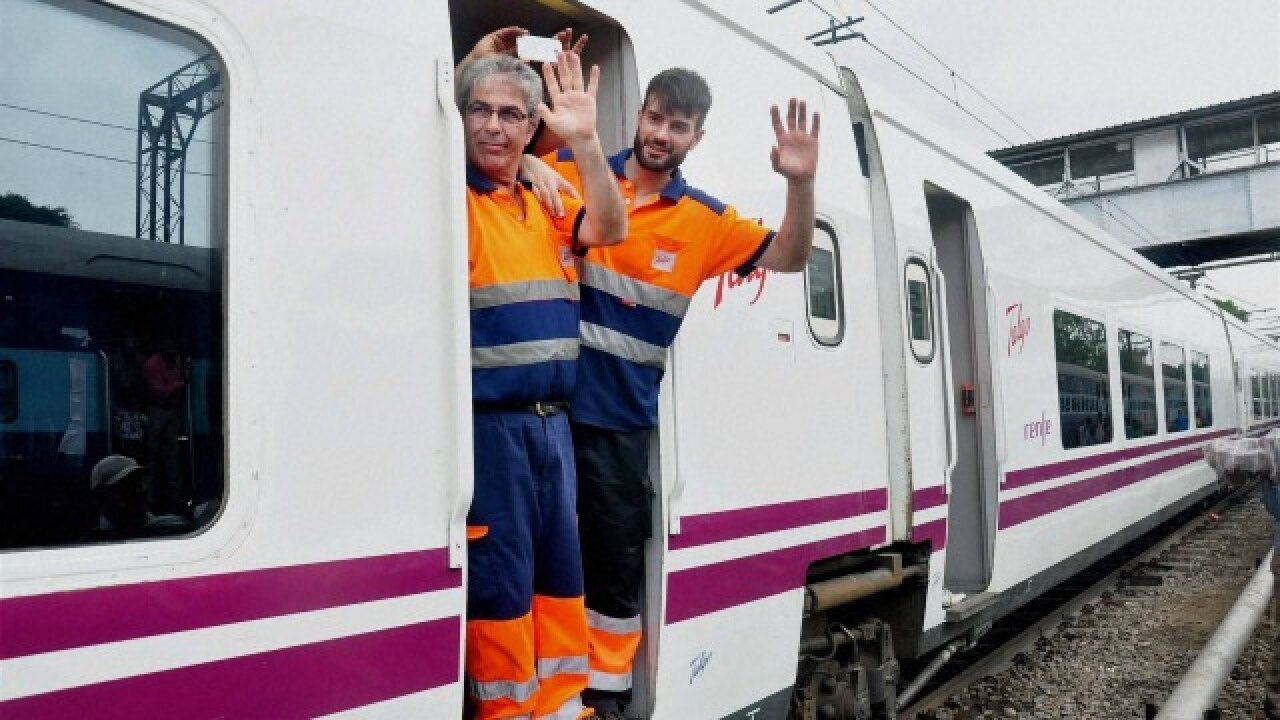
(538, 49)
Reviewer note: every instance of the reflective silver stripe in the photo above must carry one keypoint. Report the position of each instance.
(569, 710)
(616, 682)
(569, 664)
(617, 626)
(624, 346)
(507, 293)
(628, 288)
(499, 689)
(524, 353)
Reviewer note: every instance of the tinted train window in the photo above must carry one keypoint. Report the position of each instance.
(1084, 382)
(1201, 395)
(1138, 385)
(110, 260)
(1274, 395)
(1173, 370)
(822, 278)
(919, 310)
(1256, 393)
(8, 391)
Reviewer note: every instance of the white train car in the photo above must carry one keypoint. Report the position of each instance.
(882, 454)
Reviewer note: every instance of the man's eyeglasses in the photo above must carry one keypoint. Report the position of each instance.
(479, 112)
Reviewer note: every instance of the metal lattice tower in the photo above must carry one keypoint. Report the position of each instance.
(168, 114)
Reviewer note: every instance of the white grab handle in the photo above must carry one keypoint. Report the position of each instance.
(941, 302)
(454, 191)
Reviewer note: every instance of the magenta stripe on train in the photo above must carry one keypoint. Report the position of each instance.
(933, 532)
(714, 527)
(296, 682)
(710, 588)
(1041, 473)
(58, 621)
(1029, 507)
(929, 497)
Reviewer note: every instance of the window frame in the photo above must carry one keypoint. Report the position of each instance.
(1098, 178)
(1155, 396)
(1253, 132)
(1194, 405)
(1186, 383)
(233, 519)
(918, 262)
(1100, 320)
(832, 339)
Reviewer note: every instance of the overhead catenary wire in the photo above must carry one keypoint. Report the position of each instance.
(1146, 235)
(87, 121)
(955, 76)
(82, 153)
(935, 88)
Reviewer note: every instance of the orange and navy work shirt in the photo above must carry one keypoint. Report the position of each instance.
(524, 296)
(635, 295)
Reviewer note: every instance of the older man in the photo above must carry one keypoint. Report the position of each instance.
(526, 632)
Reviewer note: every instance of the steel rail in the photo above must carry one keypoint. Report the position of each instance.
(1000, 658)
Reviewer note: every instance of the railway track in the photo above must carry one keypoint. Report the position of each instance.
(1146, 562)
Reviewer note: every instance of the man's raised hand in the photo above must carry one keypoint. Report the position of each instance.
(572, 113)
(499, 42)
(795, 156)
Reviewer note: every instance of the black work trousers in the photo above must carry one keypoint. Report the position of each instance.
(614, 515)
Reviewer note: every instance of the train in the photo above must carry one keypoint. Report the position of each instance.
(968, 395)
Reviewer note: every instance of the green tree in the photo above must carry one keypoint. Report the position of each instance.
(1230, 306)
(17, 207)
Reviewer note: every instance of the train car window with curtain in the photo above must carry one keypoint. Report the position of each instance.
(1084, 382)
(1173, 371)
(1201, 393)
(1138, 385)
(111, 242)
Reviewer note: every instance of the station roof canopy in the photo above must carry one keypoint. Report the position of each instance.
(1137, 127)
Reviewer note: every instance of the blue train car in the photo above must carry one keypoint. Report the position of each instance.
(81, 314)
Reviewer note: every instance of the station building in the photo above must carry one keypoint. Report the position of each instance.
(1186, 188)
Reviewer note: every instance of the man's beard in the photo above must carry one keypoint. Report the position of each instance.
(671, 163)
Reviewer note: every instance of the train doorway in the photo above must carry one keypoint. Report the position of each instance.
(974, 480)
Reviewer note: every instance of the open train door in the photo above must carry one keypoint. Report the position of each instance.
(963, 313)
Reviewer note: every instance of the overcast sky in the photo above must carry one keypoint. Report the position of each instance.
(1062, 66)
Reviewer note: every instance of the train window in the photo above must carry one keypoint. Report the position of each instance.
(1255, 392)
(1084, 381)
(919, 310)
(822, 278)
(1173, 371)
(1138, 385)
(8, 391)
(111, 234)
(1201, 395)
(1274, 396)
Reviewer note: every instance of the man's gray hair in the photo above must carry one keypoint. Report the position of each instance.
(518, 72)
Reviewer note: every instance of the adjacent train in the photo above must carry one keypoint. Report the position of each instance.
(969, 394)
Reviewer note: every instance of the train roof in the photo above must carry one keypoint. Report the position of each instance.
(70, 252)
